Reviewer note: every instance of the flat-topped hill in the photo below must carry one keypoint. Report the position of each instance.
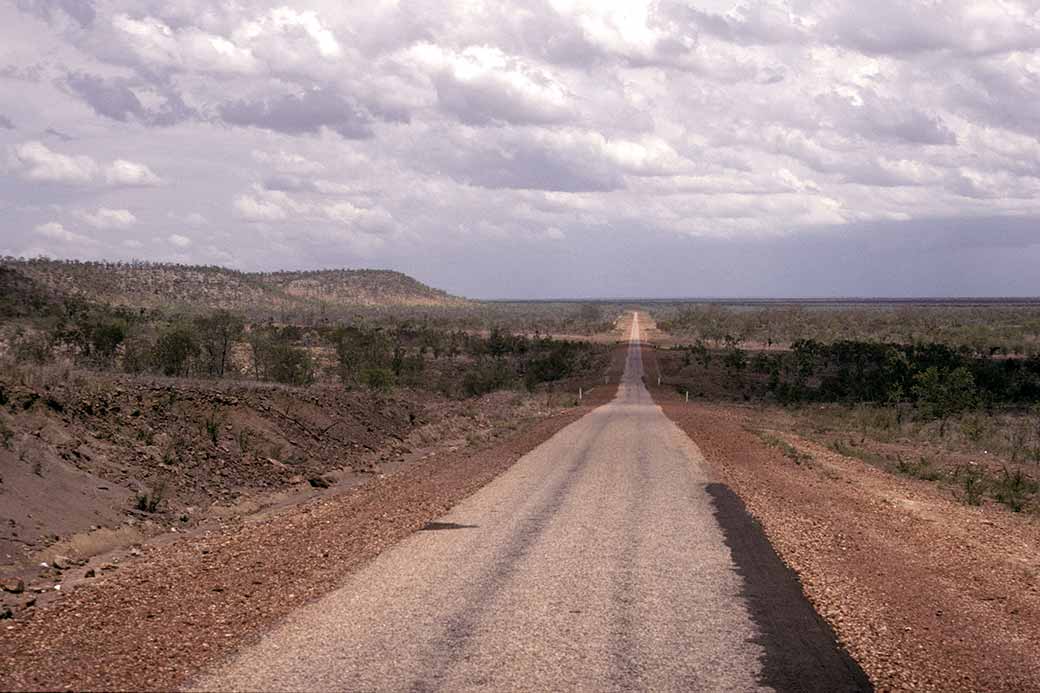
(152, 285)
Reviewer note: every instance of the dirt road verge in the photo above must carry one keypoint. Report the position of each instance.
(926, 594)
(152, 624)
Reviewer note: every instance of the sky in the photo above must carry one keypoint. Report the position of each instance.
(550, 148)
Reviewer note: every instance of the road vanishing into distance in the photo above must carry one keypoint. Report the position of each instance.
(603, 560)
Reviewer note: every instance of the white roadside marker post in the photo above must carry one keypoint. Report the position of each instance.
(687, 396)
(579, 394)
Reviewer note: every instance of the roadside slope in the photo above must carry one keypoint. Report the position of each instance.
(153, 623)
(927, 594)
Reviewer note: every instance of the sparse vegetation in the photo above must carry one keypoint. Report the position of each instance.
(971, 481)
(244, 439)
(789, 451)
(377, 378)
(930, 401)
(212, 424)
(455, 347)
(921, 469)
(174, 350)
(150, 500)
(996, 327)
(1014, 489)
(5, 435)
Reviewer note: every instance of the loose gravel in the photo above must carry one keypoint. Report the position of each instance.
(926, 593)
(151, 624)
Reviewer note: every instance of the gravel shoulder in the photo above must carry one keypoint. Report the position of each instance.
(151, 624)
(924, 592)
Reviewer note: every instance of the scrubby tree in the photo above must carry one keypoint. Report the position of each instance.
(139, 349)
(358, 348)
(217, 333)
(735, 359)
(377, 378)
(105, 338)
(942, 393)
(591, 313)
(174, 350)
(553, 364)
(701, 353)
(276, 357)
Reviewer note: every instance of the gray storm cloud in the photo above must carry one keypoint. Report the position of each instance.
(480, 147)
(295, 114)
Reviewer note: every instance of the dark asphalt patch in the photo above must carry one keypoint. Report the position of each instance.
(802, 652)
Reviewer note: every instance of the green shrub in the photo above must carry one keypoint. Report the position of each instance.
(735, 359)
(212, 424)
(487, 376)
(1014, 488)
(275, 358)
(291, 365)
(789, 451)
(942, 392)
(31, 347)
(553, 364)
(377, 378)
(921, 469)
(176, 347)
(974, 427)
(972, 482)
(149, 501)
(5, 435)
(105, 338)
(217, 332)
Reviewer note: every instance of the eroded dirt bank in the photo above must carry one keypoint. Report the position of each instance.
(150, 624)
(925, 593)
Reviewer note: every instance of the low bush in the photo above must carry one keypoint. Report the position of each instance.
(377, 378)
(150, 500)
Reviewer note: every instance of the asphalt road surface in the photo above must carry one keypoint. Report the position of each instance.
(603, 560)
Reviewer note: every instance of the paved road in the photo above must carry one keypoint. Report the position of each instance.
(597, 562)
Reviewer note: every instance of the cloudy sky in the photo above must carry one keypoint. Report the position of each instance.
(543, 148)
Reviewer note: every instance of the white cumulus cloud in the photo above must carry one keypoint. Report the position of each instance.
(35, 161)
(123, 172)
(56, 231)
(105, 218)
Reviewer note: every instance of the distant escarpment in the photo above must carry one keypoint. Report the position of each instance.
(154, 285)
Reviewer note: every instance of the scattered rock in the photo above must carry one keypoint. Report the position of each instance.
(16, 586)
(319, 481)
(90, 573)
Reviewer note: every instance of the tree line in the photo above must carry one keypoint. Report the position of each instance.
(938, 380)
(220, 344)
